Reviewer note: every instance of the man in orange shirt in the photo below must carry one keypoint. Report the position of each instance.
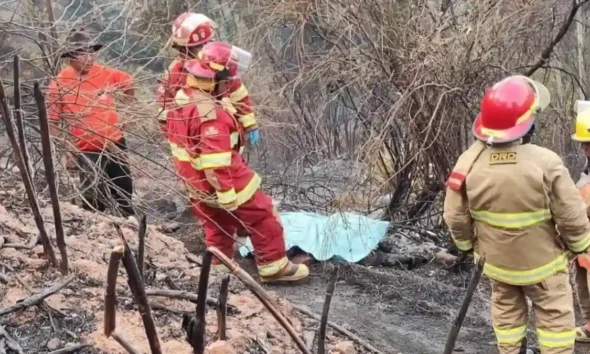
(82, 97)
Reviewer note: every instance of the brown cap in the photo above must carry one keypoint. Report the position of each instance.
(79, 40)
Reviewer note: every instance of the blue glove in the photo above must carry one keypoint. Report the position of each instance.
(253, 137)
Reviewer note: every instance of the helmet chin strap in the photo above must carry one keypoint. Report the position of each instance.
(526, 139)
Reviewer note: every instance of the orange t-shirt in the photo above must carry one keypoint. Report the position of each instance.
(87, 104)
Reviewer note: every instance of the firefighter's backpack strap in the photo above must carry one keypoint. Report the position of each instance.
(464, 165)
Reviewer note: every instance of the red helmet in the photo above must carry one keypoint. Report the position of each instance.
(509, 108)
(216, 57)
(191, 29)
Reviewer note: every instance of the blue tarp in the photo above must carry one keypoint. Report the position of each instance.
(348, 236)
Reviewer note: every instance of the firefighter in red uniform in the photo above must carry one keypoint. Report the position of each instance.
(190, 33)
(205, 141)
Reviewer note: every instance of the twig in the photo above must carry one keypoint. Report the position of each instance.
(158, 306)
(110, 297)
(452, 338)
(1, 241)
(198, 331)
(194, 259)
(10, 342)
(325, 312)
(222, 308)
(31, 291)
(50, 175)
(183, 295)
(70, 349)
(136, 285)
(546, 53)
(141, 246)
(22, 163)
(125, 343)
(18, 114)
(2, 346)
(339, 329)
(37, 298)
(4, 279)
(259, 292)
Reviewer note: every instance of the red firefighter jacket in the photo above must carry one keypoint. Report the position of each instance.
(206, 141)
(175, 79)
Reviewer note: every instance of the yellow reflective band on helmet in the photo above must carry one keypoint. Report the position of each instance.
(511, 220)
(179, 153)
(463, 245)
(581, 245)
(227, 197)
(216, 67)
(525, 277)
(550, 339)
(247, 120)
(239, 94)
(216, 160)
(510, 336)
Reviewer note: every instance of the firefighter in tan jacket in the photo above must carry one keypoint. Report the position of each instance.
(581, 264)
(516, 205)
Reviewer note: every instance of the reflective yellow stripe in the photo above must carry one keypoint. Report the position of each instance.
(241, 151)
(463, 245)
(525, 277)
(511, 220)
(239, 94)
(244, 195)
(272, 268)
(235, 139)
(510, 336)
(581, 245)
(216, 160)
(228, 106)
(550, 339)
(179, 153)
(247, 120)
(227, 197)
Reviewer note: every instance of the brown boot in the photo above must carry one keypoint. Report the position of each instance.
(289, 273)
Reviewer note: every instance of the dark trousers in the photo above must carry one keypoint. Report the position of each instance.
(105, 180)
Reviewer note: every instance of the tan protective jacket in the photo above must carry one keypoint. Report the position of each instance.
(517, 206)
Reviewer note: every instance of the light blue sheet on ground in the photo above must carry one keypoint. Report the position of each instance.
(348, 236)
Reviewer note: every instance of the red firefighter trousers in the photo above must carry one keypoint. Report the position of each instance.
(256, 216)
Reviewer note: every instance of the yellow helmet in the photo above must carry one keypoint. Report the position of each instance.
(582, 133)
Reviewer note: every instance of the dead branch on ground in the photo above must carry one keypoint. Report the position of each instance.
(476, 276)
(50, 175)
(10, 342)
(72, 349)
(326, 311)
(339, 329)
(120, 338)
(184, 295)
(266, 300)
(37, 298)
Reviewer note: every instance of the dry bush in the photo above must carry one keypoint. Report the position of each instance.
(380, 94)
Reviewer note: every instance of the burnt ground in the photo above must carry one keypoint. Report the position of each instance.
(396, 310)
